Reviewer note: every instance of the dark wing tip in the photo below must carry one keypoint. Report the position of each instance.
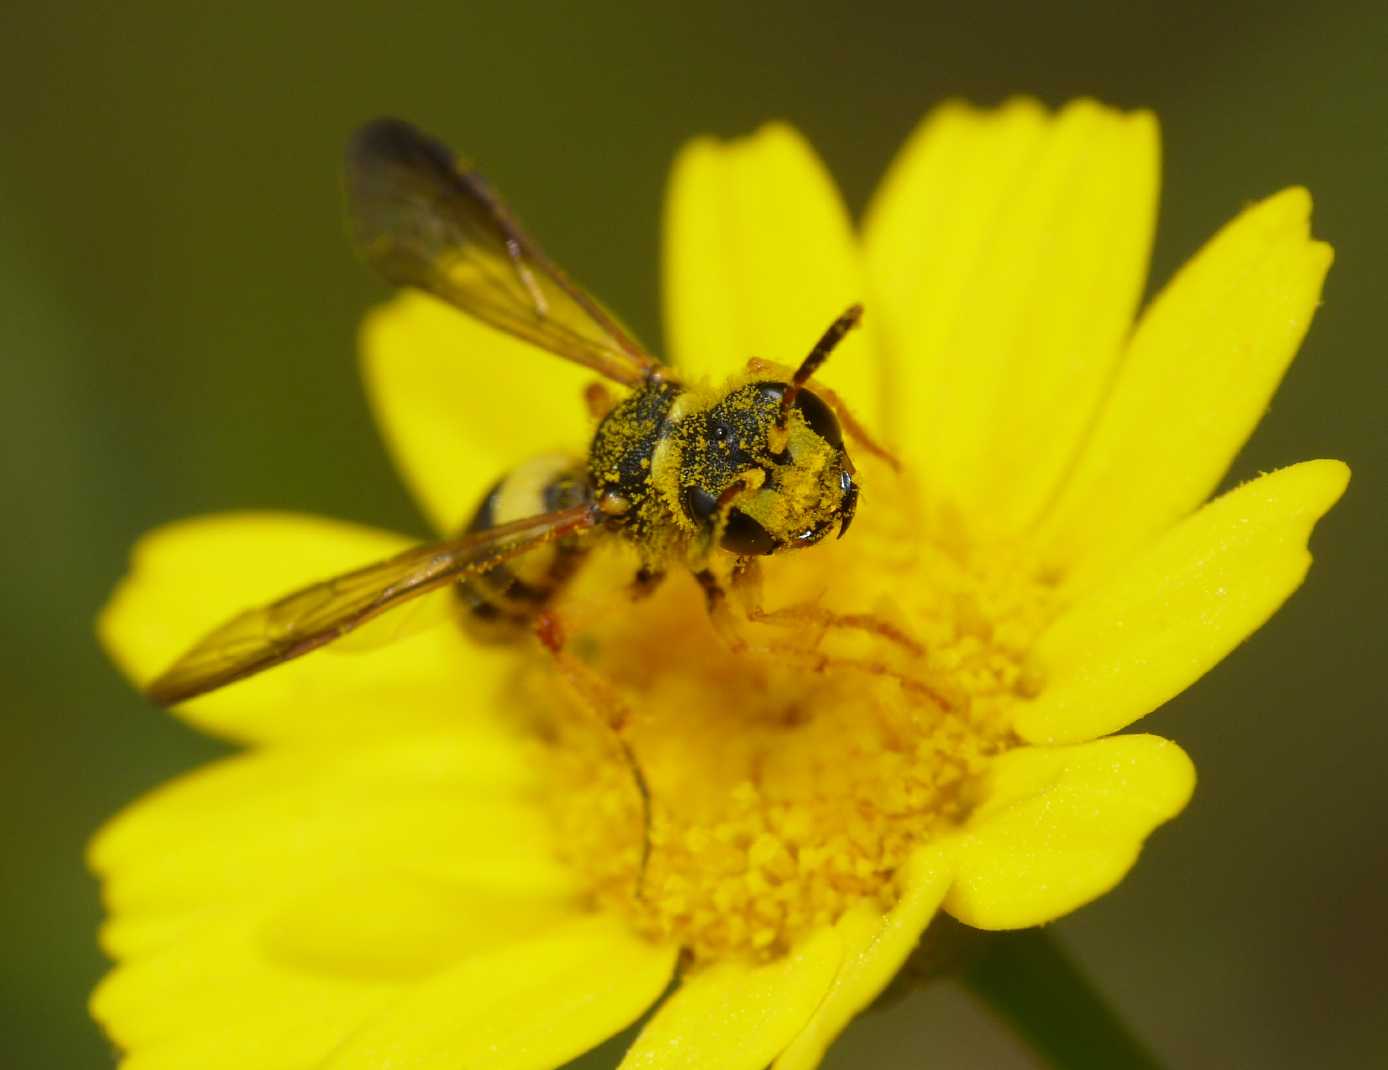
(393, 142)
(393, 173)
(379, 137)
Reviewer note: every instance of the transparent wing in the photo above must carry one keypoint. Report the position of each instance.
(261, 638)
(423, 219)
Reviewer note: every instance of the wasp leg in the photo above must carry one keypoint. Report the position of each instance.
(598, 399)
(856, 430)
(549, 630)
(720, 613)
(646, 582)
(596, 696)
(811, 624)
(714, 595)
(922, 689)
(798, 616)
(747, 585)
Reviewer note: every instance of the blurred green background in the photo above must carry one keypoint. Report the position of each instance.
(177, 311)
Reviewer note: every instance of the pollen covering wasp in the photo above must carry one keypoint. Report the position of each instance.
(679, 471)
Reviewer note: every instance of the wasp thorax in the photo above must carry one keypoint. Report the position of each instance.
(771, 482)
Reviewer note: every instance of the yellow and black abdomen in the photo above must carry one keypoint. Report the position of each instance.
(502, 602)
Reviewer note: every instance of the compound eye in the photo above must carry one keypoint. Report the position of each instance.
(819, 417)
(743, 535)
(699, 504)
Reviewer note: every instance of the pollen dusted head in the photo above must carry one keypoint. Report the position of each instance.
(788, 470)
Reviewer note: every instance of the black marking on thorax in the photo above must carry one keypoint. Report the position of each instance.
(624, 446)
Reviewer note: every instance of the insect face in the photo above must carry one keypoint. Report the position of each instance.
(788, 474)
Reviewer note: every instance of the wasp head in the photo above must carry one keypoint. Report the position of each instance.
(775, 478)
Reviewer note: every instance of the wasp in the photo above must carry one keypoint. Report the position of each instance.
(681, 472)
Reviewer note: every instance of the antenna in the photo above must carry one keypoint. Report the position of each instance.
(818, 355)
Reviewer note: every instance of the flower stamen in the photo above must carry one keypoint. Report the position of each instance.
(792, 771)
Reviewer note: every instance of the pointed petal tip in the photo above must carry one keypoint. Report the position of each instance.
(772, 133)
(774, 130)
(1307, 489)
(1286, 213)
(1294, 202)
(1333, 476)
(694, 151)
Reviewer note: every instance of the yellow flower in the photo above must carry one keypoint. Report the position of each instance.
(430, 857)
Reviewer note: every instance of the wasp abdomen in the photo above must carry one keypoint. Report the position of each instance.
(503, 602)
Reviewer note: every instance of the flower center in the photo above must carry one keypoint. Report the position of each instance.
(789, 779)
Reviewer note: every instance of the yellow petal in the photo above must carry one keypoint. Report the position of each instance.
(461, 404)
(1166, 619)
(215, 1001)
(1059, 826)
(451, 808)
(189, 577)
(760, 257)
(925, 232)
(226, 995)
(531, 1006)
(931, 219)
(875, 946)
(1009, 254)
(127, 936)
(392, 923)
(737, 1016)
(1199, 372)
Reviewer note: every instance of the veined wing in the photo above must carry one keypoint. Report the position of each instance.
(261, 638)
(423, 219)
